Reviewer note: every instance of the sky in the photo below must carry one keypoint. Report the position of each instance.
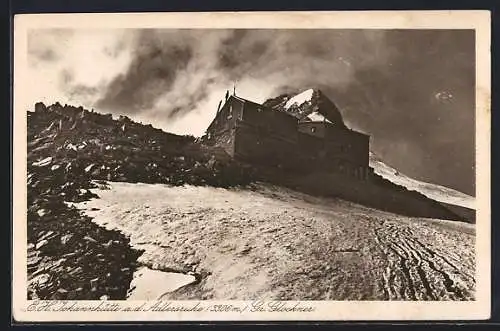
(412, 91)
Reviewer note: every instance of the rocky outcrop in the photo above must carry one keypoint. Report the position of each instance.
(303, 105)
(70, 151)
(123, 150)
(70, 257)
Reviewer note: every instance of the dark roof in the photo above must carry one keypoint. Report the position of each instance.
(262, 106)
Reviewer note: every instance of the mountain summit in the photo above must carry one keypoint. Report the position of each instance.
(308, 105)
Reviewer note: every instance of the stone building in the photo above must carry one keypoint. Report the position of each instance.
(259, 134)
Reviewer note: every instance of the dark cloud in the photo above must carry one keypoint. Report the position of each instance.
(397, 105)
(150, 74)
(279, 59)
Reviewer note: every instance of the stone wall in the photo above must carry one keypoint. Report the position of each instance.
(254, 145)
(303, 155)
(273, 122)
(350, 145)
(340, 145)
(226, 140)
(226, 117)
(316, 129)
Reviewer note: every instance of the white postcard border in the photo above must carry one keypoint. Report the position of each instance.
(26, 311)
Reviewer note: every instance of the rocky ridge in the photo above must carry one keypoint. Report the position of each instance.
(307, 104)
(72, 150)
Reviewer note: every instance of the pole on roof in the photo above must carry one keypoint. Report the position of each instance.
(234, 88)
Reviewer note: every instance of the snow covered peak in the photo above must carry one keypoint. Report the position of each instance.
(300, 98)
(308, 105)
(317, 117)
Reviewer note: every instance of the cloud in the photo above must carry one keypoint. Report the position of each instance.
(73, 66)
(173, 73)
(165, 75)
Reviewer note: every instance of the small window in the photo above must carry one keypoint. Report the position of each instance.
(313, 129)
(259, 109)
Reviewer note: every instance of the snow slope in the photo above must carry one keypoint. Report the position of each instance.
(267, 241)
(300, 98)
(433, 191)
(317, 117)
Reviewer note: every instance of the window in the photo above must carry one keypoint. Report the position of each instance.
(230, 112)
(313, 129)
(259, 109)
